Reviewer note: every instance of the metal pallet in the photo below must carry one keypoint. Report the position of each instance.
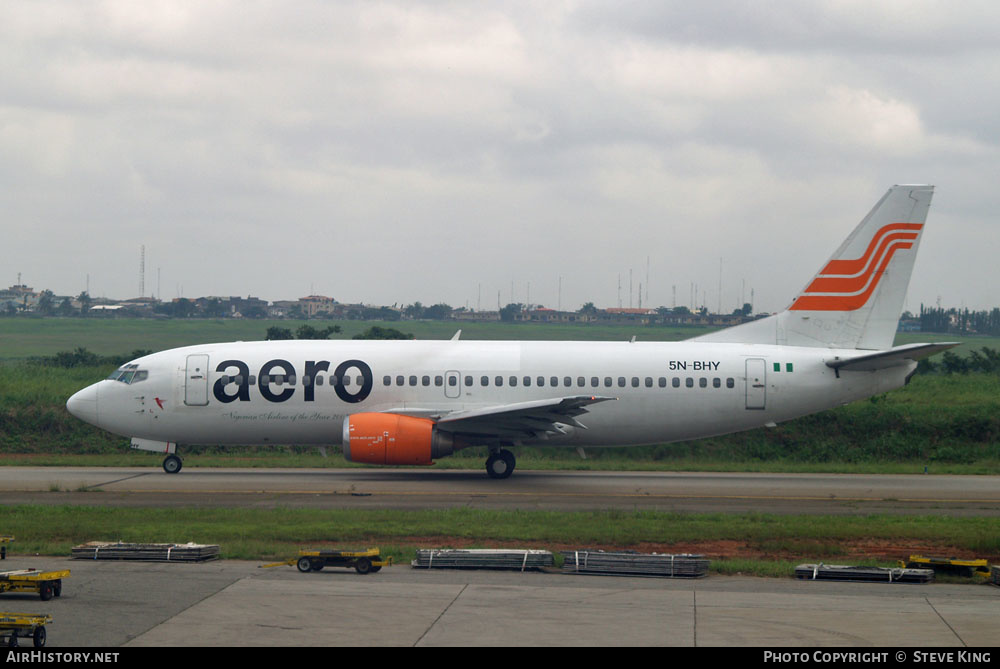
(99, 550)
(835, 572)
(483, 558)
(629, 563)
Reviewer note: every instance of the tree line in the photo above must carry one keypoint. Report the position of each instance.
(959, 321)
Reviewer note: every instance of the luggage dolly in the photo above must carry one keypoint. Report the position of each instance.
(960, 567)
(24, 625)
(363, 562)
(47, 584)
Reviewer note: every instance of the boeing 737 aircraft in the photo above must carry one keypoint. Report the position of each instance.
(411, 402)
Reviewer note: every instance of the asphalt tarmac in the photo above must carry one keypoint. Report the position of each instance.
(239, 604)
(530, 490)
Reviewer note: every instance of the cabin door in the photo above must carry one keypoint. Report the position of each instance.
(756, 383)
(196, 381)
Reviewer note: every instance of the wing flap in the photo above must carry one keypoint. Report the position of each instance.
(521, 419)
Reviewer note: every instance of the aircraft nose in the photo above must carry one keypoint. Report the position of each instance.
(83, 404)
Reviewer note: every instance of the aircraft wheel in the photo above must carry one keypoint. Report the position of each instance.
(38, 638)
(363, 565)
(172, 464)
(304, 565)
(500, 465)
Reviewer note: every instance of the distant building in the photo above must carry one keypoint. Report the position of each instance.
(317, 304)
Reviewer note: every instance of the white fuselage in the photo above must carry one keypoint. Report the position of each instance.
(215, 394)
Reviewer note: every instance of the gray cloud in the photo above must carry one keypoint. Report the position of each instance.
(393, 152)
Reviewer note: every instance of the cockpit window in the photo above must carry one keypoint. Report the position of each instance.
(129, 374)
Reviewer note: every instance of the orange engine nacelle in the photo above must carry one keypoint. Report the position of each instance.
(390, 439)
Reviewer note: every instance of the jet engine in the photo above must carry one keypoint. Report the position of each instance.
(391, 439)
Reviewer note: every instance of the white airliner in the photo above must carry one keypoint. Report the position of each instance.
(411, 402)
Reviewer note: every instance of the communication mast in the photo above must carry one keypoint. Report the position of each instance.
(142, 270)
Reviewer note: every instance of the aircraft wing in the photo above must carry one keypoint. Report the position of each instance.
(893, 357)
(522, 419)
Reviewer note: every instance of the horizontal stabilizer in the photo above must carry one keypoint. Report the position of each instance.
(894, 357)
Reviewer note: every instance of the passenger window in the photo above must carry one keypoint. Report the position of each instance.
(540, 381)
(703, 382)
(468, 381)
(452, 381)
(513, 381)
(347, 380)
(649, 381)
(663, 382)
(400, 380)
(730, 383)
(413, 380)
(567, 381)
(425, 380)
(621, 381)
(635, 381)
(319, 380)
(438, 381)
(580, 381)
(499, 381)
(676, 383)
(716, 382)
(386, 380)
(689, 382)
(554, 381)
(607, 381)
(484, 381)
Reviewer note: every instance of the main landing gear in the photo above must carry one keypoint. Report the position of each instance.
(172, 464)
(500, 464)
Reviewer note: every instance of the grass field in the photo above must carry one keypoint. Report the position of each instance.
(946, 424)
(940, 422)
(21, 338)
(753, 543)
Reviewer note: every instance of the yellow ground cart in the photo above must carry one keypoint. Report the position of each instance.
(47, 584)
(363, 562)
(23, 625)
(948, 565)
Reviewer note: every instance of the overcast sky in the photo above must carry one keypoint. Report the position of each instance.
(392, 152)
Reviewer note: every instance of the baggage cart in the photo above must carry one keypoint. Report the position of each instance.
(363, 562)
(47, 584)
(24, 626)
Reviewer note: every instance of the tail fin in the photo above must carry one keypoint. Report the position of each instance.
(855, 300)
